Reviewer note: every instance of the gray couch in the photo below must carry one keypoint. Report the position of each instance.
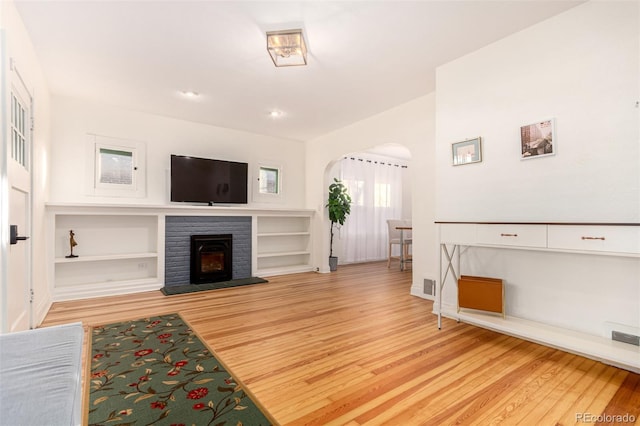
(41, 376)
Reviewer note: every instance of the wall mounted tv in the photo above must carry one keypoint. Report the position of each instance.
(203, 180)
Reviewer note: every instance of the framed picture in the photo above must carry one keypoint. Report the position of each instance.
(465, 152)
(537, 139)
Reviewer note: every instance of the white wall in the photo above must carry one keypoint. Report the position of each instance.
(73, 119)
(411, 125)
(582, 68)
(16, 46)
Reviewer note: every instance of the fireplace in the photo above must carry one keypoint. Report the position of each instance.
(211, 258)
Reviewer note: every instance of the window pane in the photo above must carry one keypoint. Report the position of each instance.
(116, 167)
(268, 180)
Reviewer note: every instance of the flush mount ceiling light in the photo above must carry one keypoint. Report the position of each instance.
(287, 48)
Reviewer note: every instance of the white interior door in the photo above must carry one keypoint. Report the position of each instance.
(18, 286)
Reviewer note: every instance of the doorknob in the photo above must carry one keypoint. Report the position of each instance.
(13, 235)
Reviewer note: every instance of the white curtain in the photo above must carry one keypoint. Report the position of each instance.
(375, 188)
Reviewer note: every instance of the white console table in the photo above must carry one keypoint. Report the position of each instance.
(602, 239)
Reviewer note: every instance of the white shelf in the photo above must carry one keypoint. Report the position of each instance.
(118, 252)
(283, 244)
(108, 288)
(266, 272)
(611, 352)
(106, 257)
(283, 234)
(282, 254)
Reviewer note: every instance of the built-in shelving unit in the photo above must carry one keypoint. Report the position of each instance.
(121, 248)
(283, 244)
(117, 253)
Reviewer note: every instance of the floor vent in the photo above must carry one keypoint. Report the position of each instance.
(625, 337)
(429, 287)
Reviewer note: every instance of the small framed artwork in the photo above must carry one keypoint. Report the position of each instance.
(538, 139)
(466, 152)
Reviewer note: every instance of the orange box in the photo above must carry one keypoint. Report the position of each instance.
(481, 293)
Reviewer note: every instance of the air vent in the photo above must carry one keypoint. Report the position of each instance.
(625, 337)
(429, 287)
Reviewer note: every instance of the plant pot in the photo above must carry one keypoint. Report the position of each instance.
(333, 263)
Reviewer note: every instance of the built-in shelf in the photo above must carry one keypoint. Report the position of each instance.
(284, 253)
(283, 244)
(121, 248)
(283, 234)
(118, 252)
(106, 257)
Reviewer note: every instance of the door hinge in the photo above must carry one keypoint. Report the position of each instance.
(31, 296)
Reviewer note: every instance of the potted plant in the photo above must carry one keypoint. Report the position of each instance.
(339, 205)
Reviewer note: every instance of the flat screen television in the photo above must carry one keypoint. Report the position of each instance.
(204, 180)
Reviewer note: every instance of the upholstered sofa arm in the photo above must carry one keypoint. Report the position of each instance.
(41, 376)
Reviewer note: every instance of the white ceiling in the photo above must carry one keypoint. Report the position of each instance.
(364, 56)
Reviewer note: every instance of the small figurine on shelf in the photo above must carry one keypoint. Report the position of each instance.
(72, 243)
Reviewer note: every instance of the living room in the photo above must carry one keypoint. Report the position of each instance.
(579, 69)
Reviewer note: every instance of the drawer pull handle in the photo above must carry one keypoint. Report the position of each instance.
(593, 238)
(508, 235)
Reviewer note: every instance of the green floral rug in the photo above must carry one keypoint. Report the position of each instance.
(156, 371)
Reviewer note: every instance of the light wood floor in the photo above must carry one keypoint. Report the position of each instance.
(354, 347)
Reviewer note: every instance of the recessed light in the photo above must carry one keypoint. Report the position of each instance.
(190, 94)
(275, 114)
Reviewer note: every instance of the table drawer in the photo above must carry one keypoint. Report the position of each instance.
(614, 239)
(513, 235)
(458, 233)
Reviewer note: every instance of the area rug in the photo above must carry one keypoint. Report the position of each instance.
(192, 288)
(156, 371)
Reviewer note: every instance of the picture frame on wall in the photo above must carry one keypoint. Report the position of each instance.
(538, 139)
(467, 152)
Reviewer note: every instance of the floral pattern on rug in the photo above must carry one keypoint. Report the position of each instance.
(156, 371)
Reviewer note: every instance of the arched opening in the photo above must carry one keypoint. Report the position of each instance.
(380, 184)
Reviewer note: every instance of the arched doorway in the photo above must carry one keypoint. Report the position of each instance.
(378, 180)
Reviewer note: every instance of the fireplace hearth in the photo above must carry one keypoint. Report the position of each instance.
(211, 258)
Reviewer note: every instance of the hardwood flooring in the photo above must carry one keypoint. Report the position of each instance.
(354, 347)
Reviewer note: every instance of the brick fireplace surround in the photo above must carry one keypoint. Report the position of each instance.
(178, 231)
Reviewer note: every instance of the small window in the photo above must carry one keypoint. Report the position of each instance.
(115, 167)
(269, 180)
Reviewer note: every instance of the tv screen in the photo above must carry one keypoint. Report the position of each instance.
(203, 180)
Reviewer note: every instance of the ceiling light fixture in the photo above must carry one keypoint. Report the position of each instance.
(287, 48)
(275, 114)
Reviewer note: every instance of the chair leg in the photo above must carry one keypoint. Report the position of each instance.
(389, 257)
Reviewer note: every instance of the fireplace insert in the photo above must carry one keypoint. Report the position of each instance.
(211, 258)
